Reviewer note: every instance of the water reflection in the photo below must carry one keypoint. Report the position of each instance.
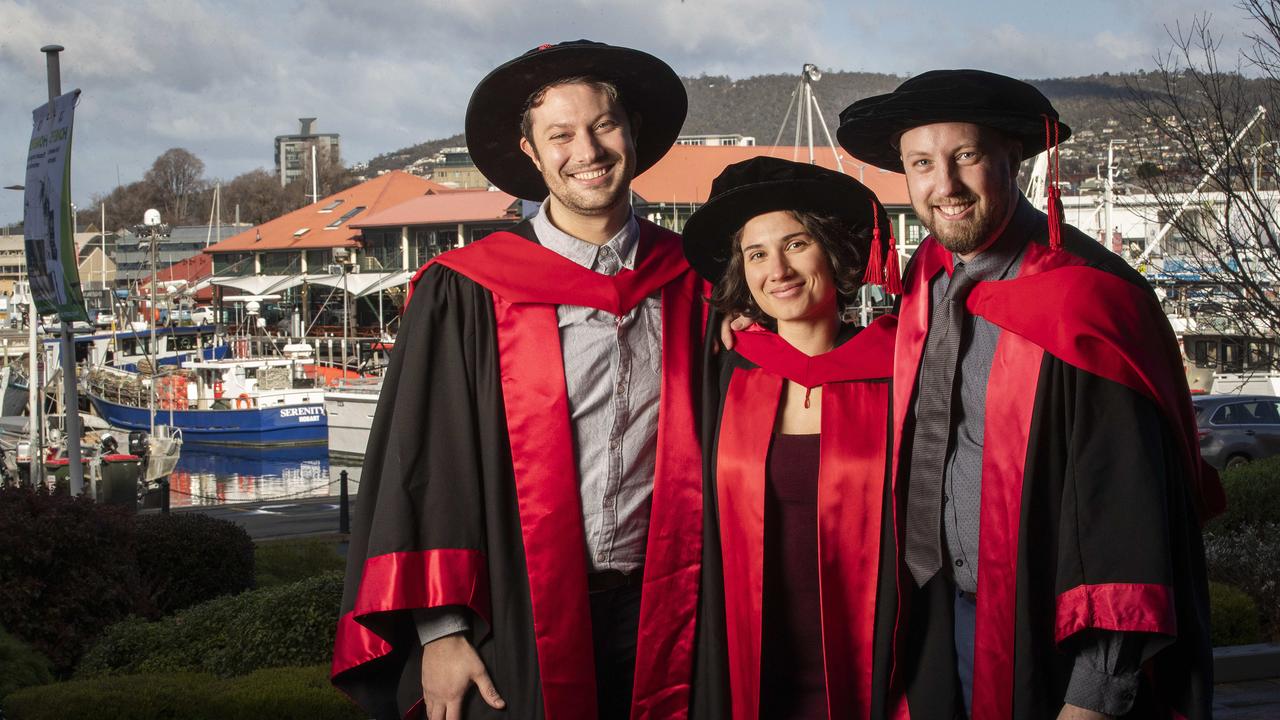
(213, 475)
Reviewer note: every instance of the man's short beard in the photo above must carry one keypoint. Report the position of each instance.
(966, 239)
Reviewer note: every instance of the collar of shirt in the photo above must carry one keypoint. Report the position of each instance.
(582, 252)
(1000, 261)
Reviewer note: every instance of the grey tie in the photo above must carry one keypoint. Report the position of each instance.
(933, 429)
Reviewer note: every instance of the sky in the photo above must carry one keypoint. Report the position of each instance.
(222, 79)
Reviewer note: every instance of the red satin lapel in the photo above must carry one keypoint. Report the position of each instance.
(521, 271)
(668, 606)
(533, 391)
(745, 433)
(866, 356)
(1011, 393)
(851, 481)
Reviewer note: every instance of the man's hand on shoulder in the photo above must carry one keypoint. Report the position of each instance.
(1071, 712)
(730, 325)
(449, 667)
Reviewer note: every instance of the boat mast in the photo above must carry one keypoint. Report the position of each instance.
(152, 220)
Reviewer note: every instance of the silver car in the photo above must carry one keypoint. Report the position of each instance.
(1236, 429)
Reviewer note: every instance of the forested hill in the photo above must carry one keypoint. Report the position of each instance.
(756, 106)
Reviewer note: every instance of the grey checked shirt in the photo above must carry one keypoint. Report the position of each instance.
(1105, 676)
(613, 378)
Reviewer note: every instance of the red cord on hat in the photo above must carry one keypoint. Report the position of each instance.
(892, 274)
(875, 270)
(1053, 176)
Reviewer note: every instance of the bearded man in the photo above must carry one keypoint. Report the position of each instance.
(1048, 486)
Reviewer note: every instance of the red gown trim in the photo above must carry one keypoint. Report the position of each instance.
(407, 581)
(1015, 371)
(1122, 607)
(851, 479)
(672, 574)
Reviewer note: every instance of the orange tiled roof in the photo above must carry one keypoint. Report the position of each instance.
(374, 195)
(685, 174)
(454, 207)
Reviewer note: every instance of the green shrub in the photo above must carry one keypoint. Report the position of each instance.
(188, 558)
(272, 627)
(1253, 496)
(1248, 558)
(279, 562)
(67, 570)
(1234, 616)
(20, 666)
(281, 694)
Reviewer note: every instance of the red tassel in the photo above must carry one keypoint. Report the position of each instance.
(1053, 175)
(806, 397)
(1055, 219)
(875, 270)
(892, 274)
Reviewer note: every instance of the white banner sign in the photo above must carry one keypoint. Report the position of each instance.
(52, 261)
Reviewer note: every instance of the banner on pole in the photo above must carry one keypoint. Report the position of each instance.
(49, 229)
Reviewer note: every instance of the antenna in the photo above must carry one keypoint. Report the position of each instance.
(807, 105)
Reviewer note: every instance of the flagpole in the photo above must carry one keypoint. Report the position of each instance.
(71, 394)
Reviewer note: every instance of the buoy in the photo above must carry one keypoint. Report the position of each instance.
(245, 399)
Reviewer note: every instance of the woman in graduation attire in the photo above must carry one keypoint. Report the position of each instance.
(797, 452)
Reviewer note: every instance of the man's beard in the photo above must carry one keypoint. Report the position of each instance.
(596, 201)
(965, 237)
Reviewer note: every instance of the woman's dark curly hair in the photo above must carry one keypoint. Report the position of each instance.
(846, 247)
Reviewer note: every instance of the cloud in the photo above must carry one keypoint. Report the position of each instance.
(223, 78)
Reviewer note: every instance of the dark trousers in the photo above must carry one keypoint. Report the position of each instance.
(615, 620)
(965, 621)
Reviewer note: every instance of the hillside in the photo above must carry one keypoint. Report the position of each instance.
(756, 106)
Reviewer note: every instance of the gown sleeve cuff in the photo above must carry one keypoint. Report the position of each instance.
(435, 623)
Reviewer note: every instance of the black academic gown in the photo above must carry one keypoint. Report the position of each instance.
(1093, 492)
(469, 490)
(852, 491)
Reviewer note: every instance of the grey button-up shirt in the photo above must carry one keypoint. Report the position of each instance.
(613, 379)
(1105, 676)
(613, 375)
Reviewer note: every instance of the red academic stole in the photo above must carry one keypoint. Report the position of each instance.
(1089, 319)
(851, 481)
(528, 281)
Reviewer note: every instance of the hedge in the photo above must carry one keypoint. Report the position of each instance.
(67, 570)
(188, 558)
(278, 693)
(1248, 558)
(278, 562)
(1234, 616)
(272, 627)
(20, 666)
(1253, 496)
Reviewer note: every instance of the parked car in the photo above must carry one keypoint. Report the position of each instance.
(1236, 429)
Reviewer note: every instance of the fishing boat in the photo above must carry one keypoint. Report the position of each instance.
(231, 402)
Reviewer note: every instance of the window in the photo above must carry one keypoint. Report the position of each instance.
(347, 216)
(329, 208)
(301, 231)
(1261, 412)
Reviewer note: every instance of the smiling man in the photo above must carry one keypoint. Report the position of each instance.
(1048, 483)
(521, 535)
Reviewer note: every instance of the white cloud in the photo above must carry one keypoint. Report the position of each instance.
(223, 78)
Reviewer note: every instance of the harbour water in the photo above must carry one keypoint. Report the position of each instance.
(214, 476)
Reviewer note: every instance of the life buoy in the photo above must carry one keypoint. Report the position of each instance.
(244, 401)
(217, 389)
